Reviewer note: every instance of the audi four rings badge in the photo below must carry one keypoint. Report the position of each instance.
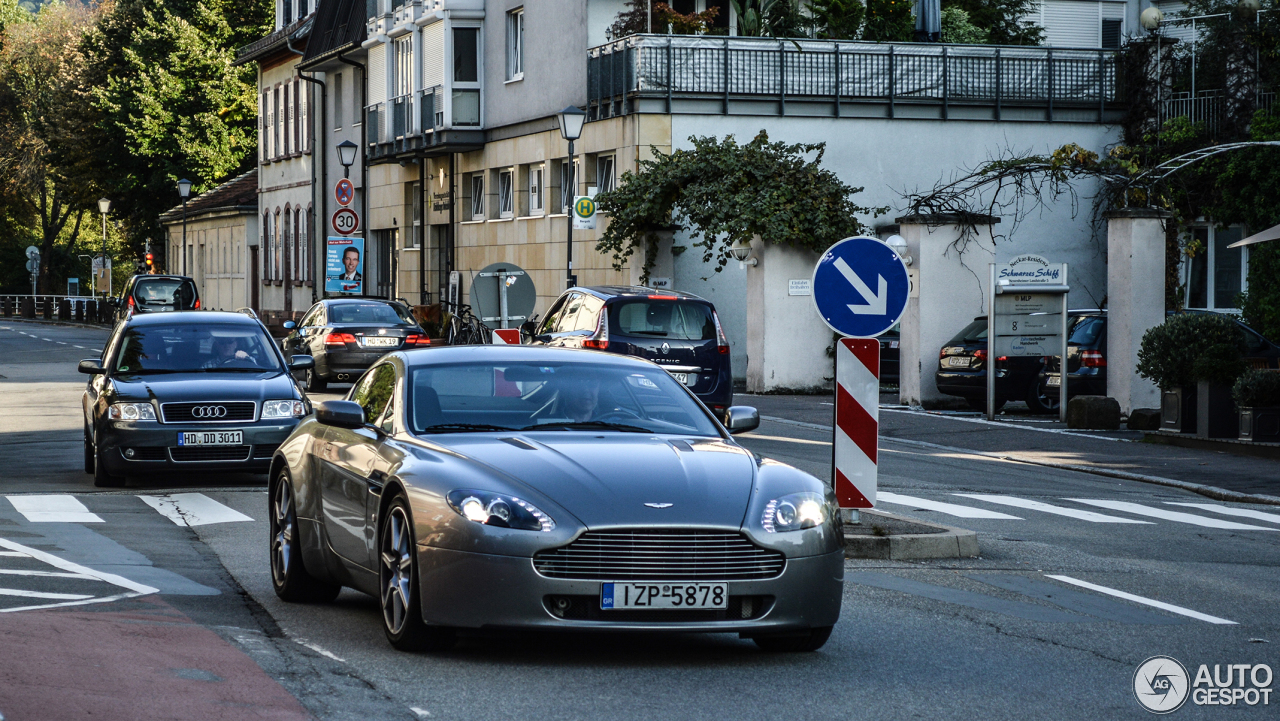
(208, 411)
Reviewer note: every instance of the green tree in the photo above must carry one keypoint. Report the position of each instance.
(889, 21)
(1004, 20)
(722, 192)
(837, 19)
(956, 28)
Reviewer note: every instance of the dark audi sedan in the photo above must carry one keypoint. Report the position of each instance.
(962, 371)
(679, 331)
(156, 294)
(177, 392)
(347, 335)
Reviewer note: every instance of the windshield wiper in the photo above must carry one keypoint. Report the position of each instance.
(589, 426)
(462, 428)
(147, 371)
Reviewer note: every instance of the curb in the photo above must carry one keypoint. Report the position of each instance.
(1214, 492)
(64, 323)
(951, 543)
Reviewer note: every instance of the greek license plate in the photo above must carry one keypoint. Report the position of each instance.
(380, 342)
(1053, 381)
(211, 438)
(661, 595)
(959, 362)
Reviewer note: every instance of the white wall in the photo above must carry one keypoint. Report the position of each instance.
(890, 156)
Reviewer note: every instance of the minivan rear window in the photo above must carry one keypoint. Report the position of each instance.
(181, 294)
(670, 319)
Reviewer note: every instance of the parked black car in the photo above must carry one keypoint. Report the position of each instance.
(962, 371)
(188, 392)
(1087, 355)
(890, 351)
(679, 331)
(346, 336)
(154, 294)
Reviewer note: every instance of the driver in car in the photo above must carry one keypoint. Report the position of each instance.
(579, 398)
(225, 351)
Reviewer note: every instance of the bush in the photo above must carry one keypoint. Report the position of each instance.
(1257, 389)
(1191, 347)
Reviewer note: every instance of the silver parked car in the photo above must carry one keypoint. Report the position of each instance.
(535, 487)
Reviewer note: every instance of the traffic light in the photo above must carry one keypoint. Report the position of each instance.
(150, 260)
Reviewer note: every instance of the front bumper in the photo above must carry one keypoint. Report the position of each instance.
(473, 590)
(154, 447)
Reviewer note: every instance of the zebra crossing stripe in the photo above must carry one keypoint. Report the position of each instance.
(193, 509)
(1229, 511)
(1048, 508)
(1138, 509)
(947, 508)
(57, 508)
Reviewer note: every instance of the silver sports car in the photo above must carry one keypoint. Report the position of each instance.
(533, 487)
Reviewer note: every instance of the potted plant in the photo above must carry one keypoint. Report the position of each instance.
(1194, 358)
(1257, 393)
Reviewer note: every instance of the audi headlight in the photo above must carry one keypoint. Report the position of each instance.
(496, 509)
(131, 412)
(283, 409)
(794, 512)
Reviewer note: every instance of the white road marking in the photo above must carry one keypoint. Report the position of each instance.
(193, 509)
(60, 342)
(303, 642)
(948, 508)
(13, 553)
(41, 594)
(57, 508)
(1047, 508)
(1140, 510)
(785, 438)
(138, 589)
(48, 339)
(80, 347)
(421, 712)
(45, 574)
(1145, 601)
(1229, 511)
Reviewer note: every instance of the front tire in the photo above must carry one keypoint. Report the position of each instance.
(102, 478)
(815, 639)
(398, 581)
(315, 384)
(289, 576)
(89, 463)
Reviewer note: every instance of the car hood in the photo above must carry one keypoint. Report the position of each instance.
(179, 387)
(606, 479)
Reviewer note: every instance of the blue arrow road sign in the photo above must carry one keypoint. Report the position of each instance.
(860, 287)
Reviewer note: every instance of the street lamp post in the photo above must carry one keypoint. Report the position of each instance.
(571, 121)
(347, 156)
(184, 189)
(104, 207)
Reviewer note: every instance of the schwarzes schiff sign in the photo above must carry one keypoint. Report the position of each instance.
(1029, 270)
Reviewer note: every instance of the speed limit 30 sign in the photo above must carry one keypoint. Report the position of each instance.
(345, 221)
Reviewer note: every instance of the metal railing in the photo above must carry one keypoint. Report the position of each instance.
(735, 68)
(1208, 107)
(81, 309)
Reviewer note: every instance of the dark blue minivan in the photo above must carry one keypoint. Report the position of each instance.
(678, 331)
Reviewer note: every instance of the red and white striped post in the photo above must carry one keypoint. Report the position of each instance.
(857, 431)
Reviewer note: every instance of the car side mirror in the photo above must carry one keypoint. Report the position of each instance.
(289, 325)
(301, 363)
(341, 414)
(740, 419)
(91, 366)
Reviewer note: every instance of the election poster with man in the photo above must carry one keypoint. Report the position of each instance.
(344, 266)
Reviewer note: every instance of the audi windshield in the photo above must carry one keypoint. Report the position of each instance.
(196, 348)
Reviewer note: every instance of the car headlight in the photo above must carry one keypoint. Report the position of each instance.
(131, 412)
(794, 512)
(496, 509)
(283, 409)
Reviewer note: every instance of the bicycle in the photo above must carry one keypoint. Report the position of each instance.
(466, 329)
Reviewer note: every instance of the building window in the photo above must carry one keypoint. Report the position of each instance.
(568, 179)
(535, 189)
(515, 44)
(338, 102)
(465, 52)
(1112, 31)
(415, 202)
(506, 206)
(1216, 275)
(287, 118)
(604, 173)
(477, 196)
(275, 123)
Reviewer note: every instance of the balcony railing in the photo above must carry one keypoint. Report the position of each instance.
(1208, 107)
(663, 73)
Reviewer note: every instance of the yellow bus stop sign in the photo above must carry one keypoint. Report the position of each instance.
(584, 213)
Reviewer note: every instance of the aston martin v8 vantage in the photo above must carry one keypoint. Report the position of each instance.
(533, 487)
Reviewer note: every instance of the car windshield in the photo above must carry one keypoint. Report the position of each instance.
(1085, 330)
(371, 313)
(554, 397)
(181, 294)
(671, 319)
(192, 348)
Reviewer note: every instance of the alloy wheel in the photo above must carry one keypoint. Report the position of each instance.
(397, 570)
(282, 536)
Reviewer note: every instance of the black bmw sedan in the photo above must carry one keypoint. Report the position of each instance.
(188, 391)
(347, 335)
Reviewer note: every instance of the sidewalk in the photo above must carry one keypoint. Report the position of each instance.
(1043, 440)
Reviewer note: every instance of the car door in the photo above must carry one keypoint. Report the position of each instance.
(297, 340)
(566, 321)
(347, 466)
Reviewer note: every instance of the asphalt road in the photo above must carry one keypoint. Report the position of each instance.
(178, 620)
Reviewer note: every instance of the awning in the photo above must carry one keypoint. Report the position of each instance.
(1271, 233)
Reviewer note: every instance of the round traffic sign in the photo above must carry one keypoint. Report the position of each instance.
(860, 287)
(345, 221)
(33, 252)
(344, 192)
(585, 207)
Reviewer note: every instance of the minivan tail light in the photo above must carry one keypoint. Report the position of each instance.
(197, 304)
(337, 339)
(600, 339)
(721, 340)
(663, 297)
(1092, 359)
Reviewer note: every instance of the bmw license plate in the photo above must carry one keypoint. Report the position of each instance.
(1053, 381)
(959, 361)
(379, 342)
(664, 595)
(211, 438)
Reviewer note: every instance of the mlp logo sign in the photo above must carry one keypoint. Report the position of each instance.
(343, 265)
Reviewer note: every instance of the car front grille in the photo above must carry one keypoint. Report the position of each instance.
(660, 555)
(265, 451)
(209, 412)
(194, 454)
